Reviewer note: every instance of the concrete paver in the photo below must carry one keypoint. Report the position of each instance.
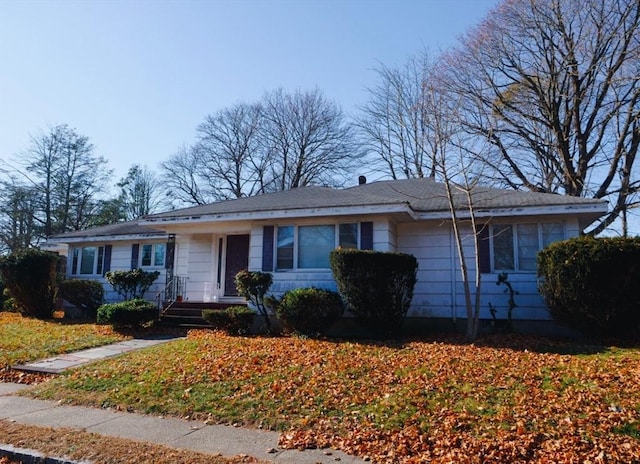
(61, 363)
(9, 388)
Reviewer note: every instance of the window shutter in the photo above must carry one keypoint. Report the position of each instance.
(366, 235)
(107, 259)
(484, 255)
(135, 251)
(171, 252)
(74, 262)
(267, 248)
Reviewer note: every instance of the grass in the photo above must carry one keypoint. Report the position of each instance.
(418, 400)
(25, 339)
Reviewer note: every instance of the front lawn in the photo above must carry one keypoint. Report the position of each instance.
(24, 339)
(438, 400)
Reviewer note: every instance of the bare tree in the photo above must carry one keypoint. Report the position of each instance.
(393, 124)
(140, 193)
(285, 141)
(17, 213)
(65, 177)
(180, 176)
(229, 152)
(454, 156)
(554, 86)
(307, 140)
(226, 161)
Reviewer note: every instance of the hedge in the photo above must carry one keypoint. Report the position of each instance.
(377, 287)
(592, 284)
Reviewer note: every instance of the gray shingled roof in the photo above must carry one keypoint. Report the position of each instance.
(119, 228)
(299, 198)
(427, 195)
(421, 195)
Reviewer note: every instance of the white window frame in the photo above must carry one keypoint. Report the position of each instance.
(296, 243)
(98, 259)
(515, 244)
(153, 263)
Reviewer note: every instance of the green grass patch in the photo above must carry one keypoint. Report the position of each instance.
(629, 429)
(24, 339)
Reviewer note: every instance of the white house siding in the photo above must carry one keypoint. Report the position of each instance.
(384, 235)
(431, 244)
(439, 291)
(255, 246)
(200, 255)
(120, 261)
(181, 256)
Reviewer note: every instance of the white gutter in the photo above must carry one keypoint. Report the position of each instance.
(106, 238)
(283, 214)
(598, 209)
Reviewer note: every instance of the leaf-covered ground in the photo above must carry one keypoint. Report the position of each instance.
(24, 339)
(505, 399)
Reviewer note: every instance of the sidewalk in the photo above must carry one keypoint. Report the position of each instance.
(172, 432)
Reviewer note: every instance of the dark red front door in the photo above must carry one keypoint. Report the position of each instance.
(237, 260)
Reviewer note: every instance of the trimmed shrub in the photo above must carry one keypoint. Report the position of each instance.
(132, 313)
(32, 281)
(254, 285)
(376, 287)
(591, 284)
(131, 284)
(309, 311)
(87, 295)
(235, 320)
(8, 303)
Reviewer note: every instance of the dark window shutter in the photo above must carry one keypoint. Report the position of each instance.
(171, 252)
(366, 235)
(107, 259)
(267, 248)
(484, 255)
(74, 261)
(135, 251)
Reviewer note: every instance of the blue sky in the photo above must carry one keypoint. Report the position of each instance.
(137, 77)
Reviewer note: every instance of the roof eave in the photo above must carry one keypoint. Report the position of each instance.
(284, 214)
(591, 209)
(106, 238)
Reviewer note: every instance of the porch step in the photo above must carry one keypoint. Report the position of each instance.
(189, 314)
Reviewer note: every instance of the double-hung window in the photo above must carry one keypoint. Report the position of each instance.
(515, 246)
(308, 247)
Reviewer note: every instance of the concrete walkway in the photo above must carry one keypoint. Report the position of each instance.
(63, 362)
(172, 432)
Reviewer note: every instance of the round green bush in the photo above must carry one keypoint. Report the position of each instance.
(591, 284)
(235, 320)
(309, 311)
(131, 313)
